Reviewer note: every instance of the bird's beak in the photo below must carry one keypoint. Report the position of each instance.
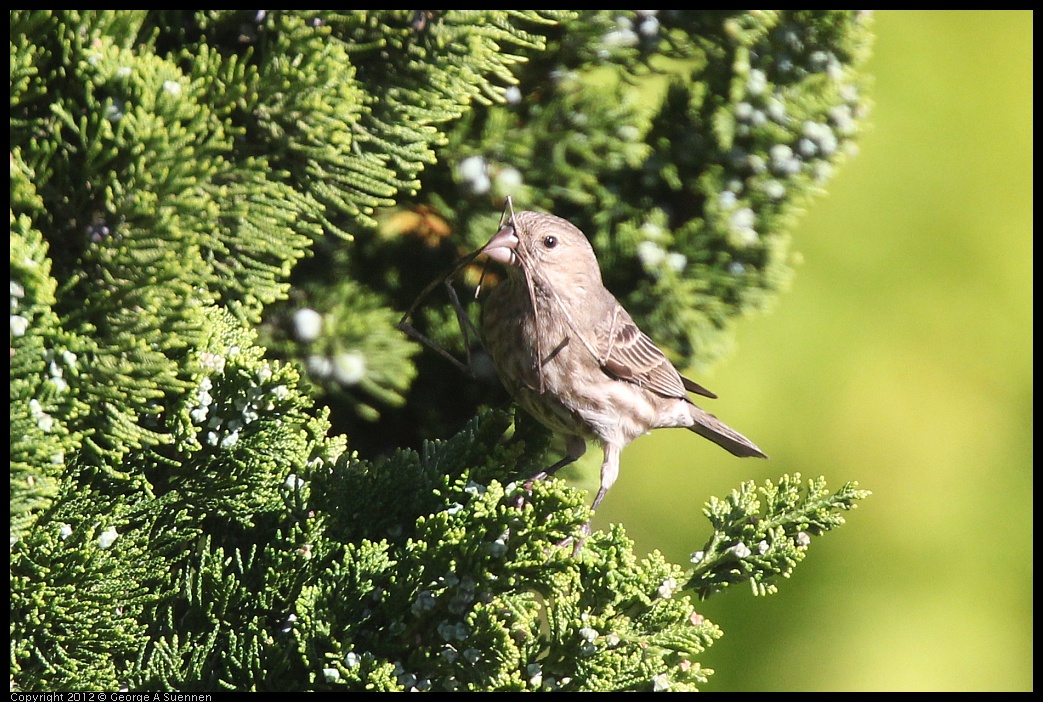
(503, 248)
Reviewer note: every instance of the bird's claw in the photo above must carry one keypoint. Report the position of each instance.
(531, 481)
(577, 543)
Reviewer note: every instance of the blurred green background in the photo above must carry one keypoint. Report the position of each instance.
(901, 358)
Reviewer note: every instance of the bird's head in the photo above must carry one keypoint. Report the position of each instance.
(547, 248)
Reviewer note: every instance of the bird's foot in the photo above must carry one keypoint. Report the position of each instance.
(519, 500)
(539, 476)
(577, 543)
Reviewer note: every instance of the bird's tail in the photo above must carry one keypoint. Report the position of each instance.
(708, 426)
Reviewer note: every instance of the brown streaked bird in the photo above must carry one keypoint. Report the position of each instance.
(573, 358)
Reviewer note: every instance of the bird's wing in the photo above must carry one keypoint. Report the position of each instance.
(628, 354)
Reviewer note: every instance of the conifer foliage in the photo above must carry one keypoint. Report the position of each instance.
(229, 468)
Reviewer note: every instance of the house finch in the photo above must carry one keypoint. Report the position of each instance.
(573, 358)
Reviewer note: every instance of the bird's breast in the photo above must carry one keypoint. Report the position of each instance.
(553, 375)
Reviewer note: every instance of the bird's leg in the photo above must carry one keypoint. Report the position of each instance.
(609, 473)
(575, 447)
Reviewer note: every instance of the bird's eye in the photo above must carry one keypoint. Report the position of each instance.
(550, 242)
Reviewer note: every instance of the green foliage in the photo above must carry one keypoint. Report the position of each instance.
(756, 539)
(216, 220)
(43, 422)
